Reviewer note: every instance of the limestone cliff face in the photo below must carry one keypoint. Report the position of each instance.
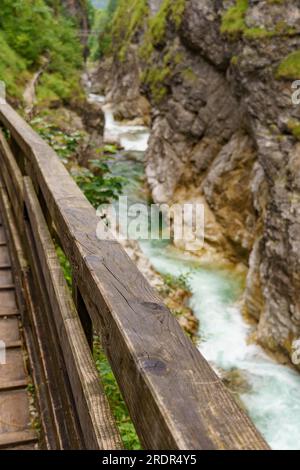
(218, 75)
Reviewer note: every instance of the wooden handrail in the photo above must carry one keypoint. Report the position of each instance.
(175, 399)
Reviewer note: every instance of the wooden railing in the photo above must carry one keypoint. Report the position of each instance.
(175, 399)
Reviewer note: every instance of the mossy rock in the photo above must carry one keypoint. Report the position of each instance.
(294, 128)
(289, 67)
(234, 24)
(233, 20)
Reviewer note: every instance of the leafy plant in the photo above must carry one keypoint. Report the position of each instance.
(99, 185)
(65, 144)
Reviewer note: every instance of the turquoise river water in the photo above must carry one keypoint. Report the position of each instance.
(272, 397)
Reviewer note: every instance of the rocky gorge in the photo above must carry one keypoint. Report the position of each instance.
(214, 81)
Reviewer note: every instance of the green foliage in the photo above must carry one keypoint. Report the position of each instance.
(65, 144)
(234, 24)
(128, 18)
(98, 185)
(155, 78)
(35, 31)
(170, 10)
(97, 182)
(294, 128)
(103, 25)
(65, 265)
(117, 404)
(97, 47)
(290, 67)
(13, 69)
(177, 282)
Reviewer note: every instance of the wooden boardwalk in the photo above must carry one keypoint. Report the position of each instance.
(15, 427)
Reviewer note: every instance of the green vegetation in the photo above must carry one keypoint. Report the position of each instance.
(98, 47)
(33, 33)
(294, 128)
(97, 182)
(117, 404)
(101, 40)
(173, 282)
(155, 78)
(170, 10)
(65, 144)
(65, 265)
(234, 24)
(98, 185)
(233, 20)
(13, 69)
(189, 75)
(128, 18)
(290, 67)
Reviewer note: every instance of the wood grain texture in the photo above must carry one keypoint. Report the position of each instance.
(15, 425)
(12, 177)
(93, 409)
(175, 399)
(28, 312)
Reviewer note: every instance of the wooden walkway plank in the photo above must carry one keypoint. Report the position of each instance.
(15, 426)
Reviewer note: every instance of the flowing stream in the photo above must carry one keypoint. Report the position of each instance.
(272, 392)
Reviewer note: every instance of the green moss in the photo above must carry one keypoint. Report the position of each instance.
(155, 78)
(233, 20)
(234, 24)
(257, 33)
(189, 75)
(290, 67)
(171, 10)
(128, 18)
(294, 128)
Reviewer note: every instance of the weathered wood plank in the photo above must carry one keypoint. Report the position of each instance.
(9, 329)
(174, 397)
(66, 423)
(12, 177)
(28, 313)
(16, 438)
(93, 409)
(14, 412)
(16, 385)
